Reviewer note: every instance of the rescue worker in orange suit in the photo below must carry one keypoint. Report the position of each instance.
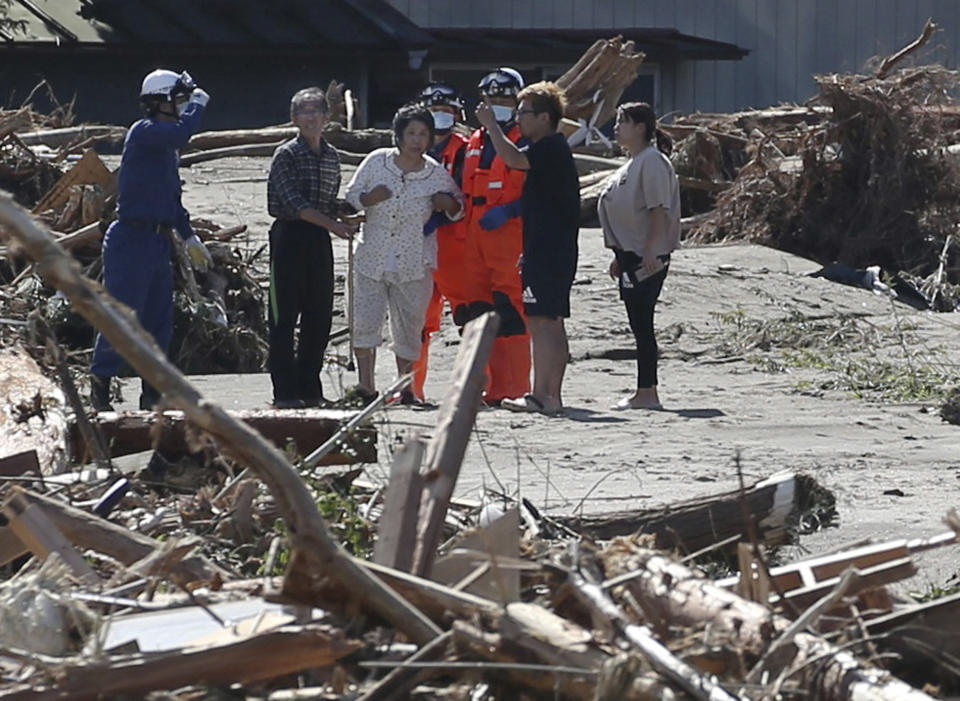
(495, 242)
(449, 149)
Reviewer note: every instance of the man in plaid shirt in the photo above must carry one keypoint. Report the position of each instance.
(302, 195)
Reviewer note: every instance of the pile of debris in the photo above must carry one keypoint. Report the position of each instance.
(161, 574)
(866, 175)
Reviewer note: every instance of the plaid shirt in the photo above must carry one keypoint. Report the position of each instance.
(300, 178)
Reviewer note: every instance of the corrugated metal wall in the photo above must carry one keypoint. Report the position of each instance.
(789, 40)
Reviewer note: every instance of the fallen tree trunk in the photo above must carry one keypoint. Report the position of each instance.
(599, 78)
(57, 138)
(90, 532)
(33, 414)
(692, 525)
(269, 655)
(252, 150)
(357, 141)
(314, 552)
(672, 595)
(135, 431)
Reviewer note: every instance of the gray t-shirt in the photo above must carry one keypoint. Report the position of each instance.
(646, 181)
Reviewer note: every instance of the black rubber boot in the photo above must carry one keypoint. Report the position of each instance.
(148, 396)
(100, 393)
(511, 322)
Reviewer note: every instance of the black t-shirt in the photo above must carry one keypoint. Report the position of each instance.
(551, 205)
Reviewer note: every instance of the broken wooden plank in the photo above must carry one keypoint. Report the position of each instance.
(692, 525)
(501, 539)
(19, 464)
(89, 170)
(397, 527)
(38, 533)
(91, 532)
(135, 431)
(454, 424)
(33, 414)
(287, 650)
(810, 572)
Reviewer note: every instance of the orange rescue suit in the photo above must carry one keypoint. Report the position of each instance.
(448, 277)
(492, 273)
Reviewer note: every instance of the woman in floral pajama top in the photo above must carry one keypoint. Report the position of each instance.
(400, 188)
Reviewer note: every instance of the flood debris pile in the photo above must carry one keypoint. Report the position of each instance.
(873, 183)
(224, 566)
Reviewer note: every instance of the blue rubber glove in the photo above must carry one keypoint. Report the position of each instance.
(498, 216)
(436, 220)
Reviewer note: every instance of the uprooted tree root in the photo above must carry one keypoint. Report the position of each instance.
(877, 185)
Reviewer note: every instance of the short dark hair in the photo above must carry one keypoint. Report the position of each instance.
(410, 113)
(545, 96)
(642, 113)
(312, 95)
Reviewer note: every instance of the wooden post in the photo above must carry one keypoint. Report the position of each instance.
(397, 529)
(449, 443)
(311, 546)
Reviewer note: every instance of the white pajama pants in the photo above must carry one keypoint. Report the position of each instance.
(407, 304)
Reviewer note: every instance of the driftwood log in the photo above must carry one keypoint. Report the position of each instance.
(698, 523)
(135, 431)
(57, 138)
(33, 415)
(671, 594)
(357, 141)
(607, 68)
(313, 552)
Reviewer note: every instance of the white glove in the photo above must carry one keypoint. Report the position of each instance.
(200, 257)
(199, 96)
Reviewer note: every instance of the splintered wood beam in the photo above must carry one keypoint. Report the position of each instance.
(454, 424)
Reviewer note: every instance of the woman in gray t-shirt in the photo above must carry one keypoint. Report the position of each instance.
(639, 211)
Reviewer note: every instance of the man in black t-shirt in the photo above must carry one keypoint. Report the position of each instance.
(551, 214)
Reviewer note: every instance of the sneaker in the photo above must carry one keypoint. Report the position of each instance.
(100, 393)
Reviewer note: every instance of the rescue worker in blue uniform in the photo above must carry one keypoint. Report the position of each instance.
(137, 249)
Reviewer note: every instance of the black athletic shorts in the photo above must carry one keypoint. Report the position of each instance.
(546, 289)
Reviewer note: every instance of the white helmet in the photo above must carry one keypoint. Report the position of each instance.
(162, 84)
(503, 81)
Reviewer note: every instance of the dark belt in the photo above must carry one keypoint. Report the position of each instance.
(155, 226)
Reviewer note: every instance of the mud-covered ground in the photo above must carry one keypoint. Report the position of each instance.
(758, 360)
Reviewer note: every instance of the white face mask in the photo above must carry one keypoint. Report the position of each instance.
(502, 113)
(442, 121)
